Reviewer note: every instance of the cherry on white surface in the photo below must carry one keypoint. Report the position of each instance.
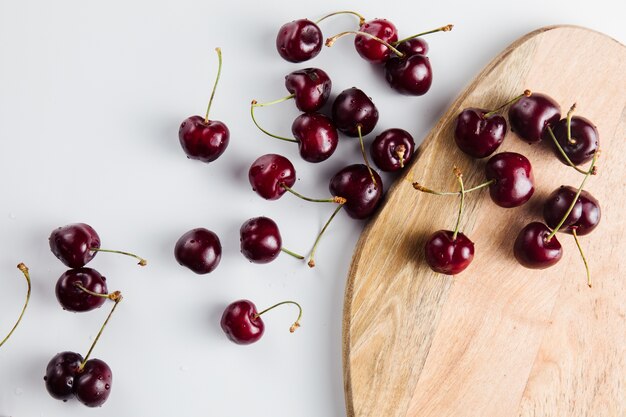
(91, 97)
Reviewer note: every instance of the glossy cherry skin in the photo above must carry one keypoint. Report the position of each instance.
(448, 256)
(73, 298)
(477, 135)
(386, 147)
(351, 108)
(72, 244)
(61, 374)
(514, 182)
(413, 46)
(585, 137)
(202, 140)
(317, 136)
(530, 116)
(299, 40)
(260, 240)
(310, 87)
(410, 75)
(268, 173)
(199, 250)
(354, 183)
(371, 50)
(92, 385)
(584, 217)
(533, 250)
(241, 324)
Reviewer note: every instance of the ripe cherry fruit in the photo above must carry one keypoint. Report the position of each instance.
(199, 250)
(534, 249)
(575, 139)
(530, 116)
(81, 289)
(261, 242)
(392, 149)
(511, 179)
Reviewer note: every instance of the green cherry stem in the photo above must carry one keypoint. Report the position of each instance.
(319, 236)
(582, 255)
(295, 324)
(111, 296)
(24, 270)
(459, 178)
(288, 252)
(569, 124)
(526, 93)
(217, 78)
(563, 154)
(361, 18)
(420, 187)
(338, 200)
(330, 41)
(254, 104)
(367, 162)
(95, 341)
(446, 28)
(142, 261)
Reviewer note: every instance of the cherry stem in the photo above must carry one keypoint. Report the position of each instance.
(526, 93)
(582, 255)
(459, 178)
(217, 78)
(319, 236)
(255, 104)
(24, 270)
(338, 200)
(564, 155)
(446, 28)
(330, 41)
(400, 151)
(420, 187)
(111, 296)
(571, 206)
(142, 262)
(288, 252)
(295, 325)
(361, 18)
(93, 345)
(569, 124)
(367, 162)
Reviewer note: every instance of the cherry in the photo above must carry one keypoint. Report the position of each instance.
(353, 108)
(269, 173)
(316, 135)
(582, 219)
(392, 149)
(92, 385)
(413, 46)
(243, 325)
(534, 249)
(77, 244)
(530, 116)
(61, 373)
(74, 287)
(24, 270)
(199, 250)
(578, 139)
(201, 138)
(310, 88)
(448, 254)
(410, 75)
(354, 183)
(512, 181)
(261, 242)
(371, 50)
(299, 40)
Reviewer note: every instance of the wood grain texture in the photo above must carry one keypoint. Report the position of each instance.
(499, 339)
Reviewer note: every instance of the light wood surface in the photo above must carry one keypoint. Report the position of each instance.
(498, 339)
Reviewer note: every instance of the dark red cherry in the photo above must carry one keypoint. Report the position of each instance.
(413, 46)
(513, 179)
(92, 385)
(371, 50)
(61, 374)
(72, 244)
(299, 40)
(392, 149)
(203, 140)
(584, 217)
(260, 240)
(477, 135)
(241, 323)
(530, 116)
(533, 250)
(410, 75)
(316, 135)
(268, 173)
(199, 250)
(447, 255)
(310, 87)
(354, 183)
(75, 299)
(585, 140)
(351, 108)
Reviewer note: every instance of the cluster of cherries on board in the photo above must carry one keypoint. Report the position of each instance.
(534, 118)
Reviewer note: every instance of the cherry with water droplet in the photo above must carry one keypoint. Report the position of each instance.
(370, 49)
(310, 88)
(60, 374)
(577, 138)
(199, 250)
(74, 298)
(392, 149)
(261, 241)
(92, 385)
(353, 108)
(299, 40)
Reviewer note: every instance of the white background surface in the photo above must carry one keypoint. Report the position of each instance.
(91, 97)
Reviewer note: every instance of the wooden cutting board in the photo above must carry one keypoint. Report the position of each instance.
(498, 339)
